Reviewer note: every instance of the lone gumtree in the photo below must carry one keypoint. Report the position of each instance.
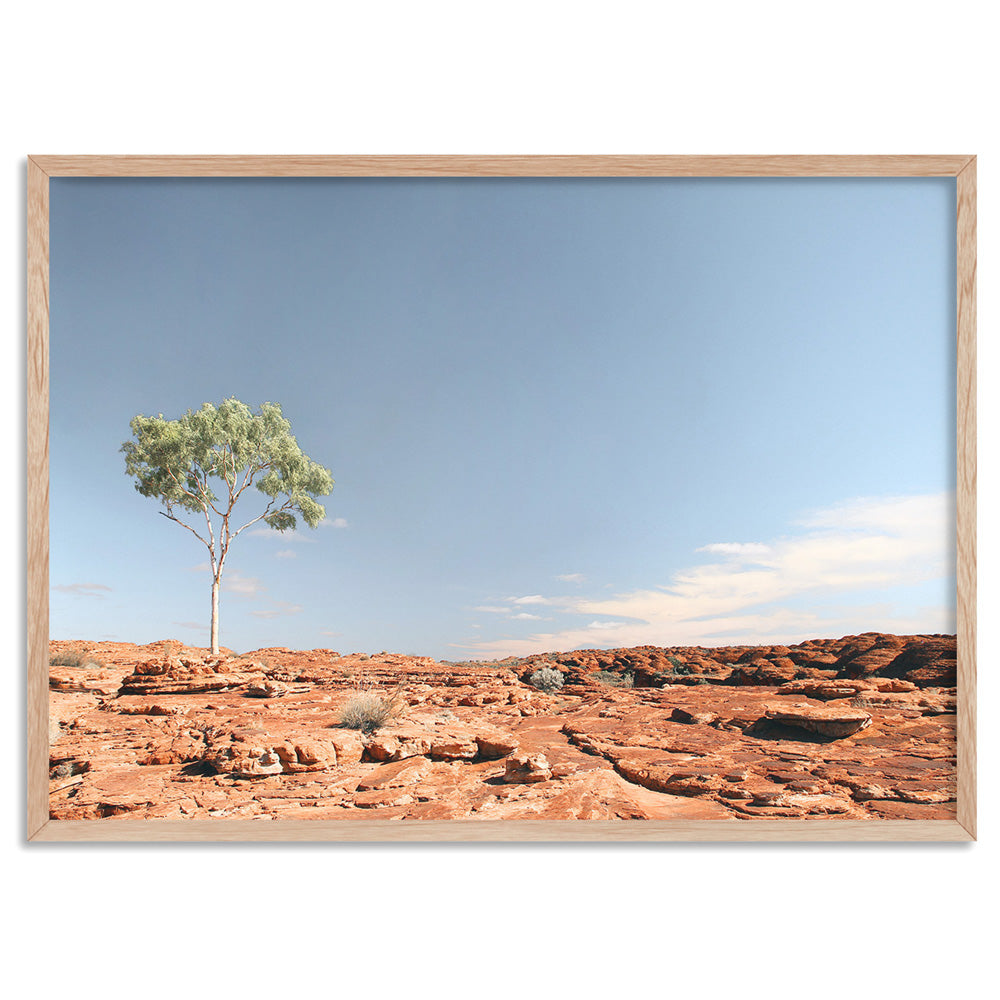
(177, 460)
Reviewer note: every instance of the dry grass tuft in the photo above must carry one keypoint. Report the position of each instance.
(76, 656)
(369, 707)
(614, 679)
(369, 710)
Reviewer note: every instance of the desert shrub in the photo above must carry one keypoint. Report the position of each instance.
(546, 679)
(662, 679)
(368, 711)
(74, 657)
(66, 660)
(614, 679)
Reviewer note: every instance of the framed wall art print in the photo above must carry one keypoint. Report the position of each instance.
(590, 498)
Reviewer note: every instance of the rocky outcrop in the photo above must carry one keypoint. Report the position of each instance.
(830, 723)
(165, 731)
(924, 660)
(184, 675)
(526, 768)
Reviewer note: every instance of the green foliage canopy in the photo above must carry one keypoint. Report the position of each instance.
(177, 461)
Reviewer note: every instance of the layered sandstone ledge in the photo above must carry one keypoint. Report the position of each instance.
(861, 727)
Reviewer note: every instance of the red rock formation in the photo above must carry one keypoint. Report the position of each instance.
(929, 658)
(849, 727)
(832, 723)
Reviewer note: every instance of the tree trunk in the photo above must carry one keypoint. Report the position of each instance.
(215, 616)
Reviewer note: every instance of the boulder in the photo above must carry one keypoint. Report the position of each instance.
(527, 769)
(832, 723)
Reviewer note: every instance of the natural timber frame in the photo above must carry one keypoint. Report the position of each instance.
(41, 168)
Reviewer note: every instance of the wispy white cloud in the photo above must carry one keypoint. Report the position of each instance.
(245, 586)
(530, 599)
(82, 589)
(280, 609)
(510, 610)
(330, 633)
(336, 522)
(286, 554)
(743, 550)
(790, 588)
(571, 577)
(297, 536)
(198, 626)
(903, 515)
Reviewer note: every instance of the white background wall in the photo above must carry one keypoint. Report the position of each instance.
(538, 77)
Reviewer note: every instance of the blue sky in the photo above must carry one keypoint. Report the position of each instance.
(560, 413)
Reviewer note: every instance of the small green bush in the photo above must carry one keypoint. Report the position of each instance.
(368, 711)
(546, 679)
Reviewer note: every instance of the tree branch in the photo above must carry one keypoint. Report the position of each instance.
(252, 471)
(267, 510)
(205, 503)
(204, 494)
(211, 548)
(211, 533)
(225, 474)
(170, 472)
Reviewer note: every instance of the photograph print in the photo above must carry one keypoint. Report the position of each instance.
(502, 498)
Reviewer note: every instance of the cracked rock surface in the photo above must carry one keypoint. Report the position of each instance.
(861, 728)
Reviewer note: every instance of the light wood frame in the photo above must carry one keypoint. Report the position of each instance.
(41, 168)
